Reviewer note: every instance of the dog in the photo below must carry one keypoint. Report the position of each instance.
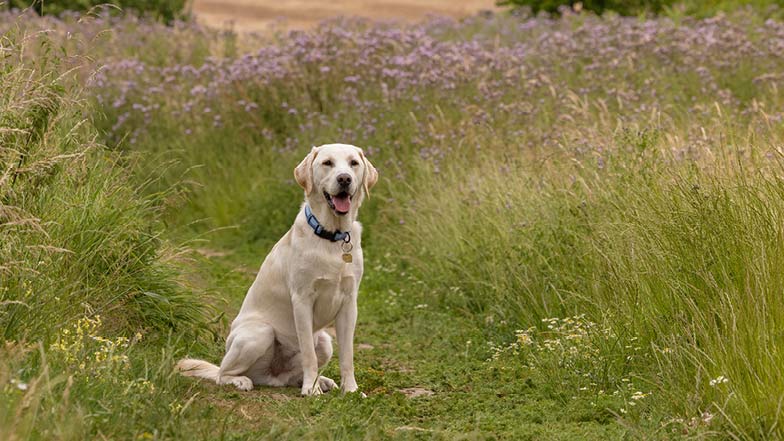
(309, 280)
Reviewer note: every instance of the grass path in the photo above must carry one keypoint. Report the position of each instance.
(404, 347)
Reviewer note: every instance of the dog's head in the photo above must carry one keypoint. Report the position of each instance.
(338, 173)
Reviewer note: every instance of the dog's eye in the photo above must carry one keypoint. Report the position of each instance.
(328, 163)
(354, 163)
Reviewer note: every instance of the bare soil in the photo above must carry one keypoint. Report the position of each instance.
(263, 15)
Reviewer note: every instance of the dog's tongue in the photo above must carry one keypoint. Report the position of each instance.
(342, 203)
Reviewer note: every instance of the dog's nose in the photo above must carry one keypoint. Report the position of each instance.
(344, 179)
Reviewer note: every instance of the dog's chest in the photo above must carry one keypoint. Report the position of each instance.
(331, 293)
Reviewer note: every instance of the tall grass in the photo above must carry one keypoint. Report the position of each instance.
(85, 273)
(76, 236)
(682, 259)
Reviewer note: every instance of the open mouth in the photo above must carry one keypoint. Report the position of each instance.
(339, 203)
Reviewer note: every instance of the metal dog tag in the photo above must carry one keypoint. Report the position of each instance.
(347, 247)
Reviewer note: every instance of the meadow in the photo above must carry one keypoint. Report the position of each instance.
(577, 232)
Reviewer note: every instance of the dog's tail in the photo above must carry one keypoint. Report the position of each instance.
(198, 368)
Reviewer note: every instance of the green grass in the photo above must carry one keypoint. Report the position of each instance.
(77, 235)
(403, 344)
(78, 241)
(681, 263)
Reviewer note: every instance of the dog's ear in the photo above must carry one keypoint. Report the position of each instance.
(304, 171)
(371, 174)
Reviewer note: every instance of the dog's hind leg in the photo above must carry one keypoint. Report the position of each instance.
(293, 374)
(244, 347)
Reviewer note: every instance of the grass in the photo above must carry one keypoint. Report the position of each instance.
(83, 261)
(647, 258)
(402, 345)
(576, 234)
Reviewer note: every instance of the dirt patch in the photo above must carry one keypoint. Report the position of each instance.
(279, 397)
(263, 15)
(246, 408)
(416, 392)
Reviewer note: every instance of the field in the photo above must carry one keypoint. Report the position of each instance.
(255, 15)
(577, 232)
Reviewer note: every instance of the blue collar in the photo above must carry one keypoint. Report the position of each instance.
(332, 236)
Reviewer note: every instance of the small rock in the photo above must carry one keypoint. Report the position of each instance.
(365, 346)
(416, 392)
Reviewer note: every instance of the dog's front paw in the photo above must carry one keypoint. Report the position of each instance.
(327, 384)
(311, 389)
(349, 386)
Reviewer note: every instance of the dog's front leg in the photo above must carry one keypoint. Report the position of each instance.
(344, 324)
(303, 321)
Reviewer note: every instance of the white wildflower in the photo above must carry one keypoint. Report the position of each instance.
(19, 385)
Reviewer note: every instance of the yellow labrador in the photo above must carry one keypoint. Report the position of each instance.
(308, 280)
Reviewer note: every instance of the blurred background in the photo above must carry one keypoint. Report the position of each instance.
(303, 14)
